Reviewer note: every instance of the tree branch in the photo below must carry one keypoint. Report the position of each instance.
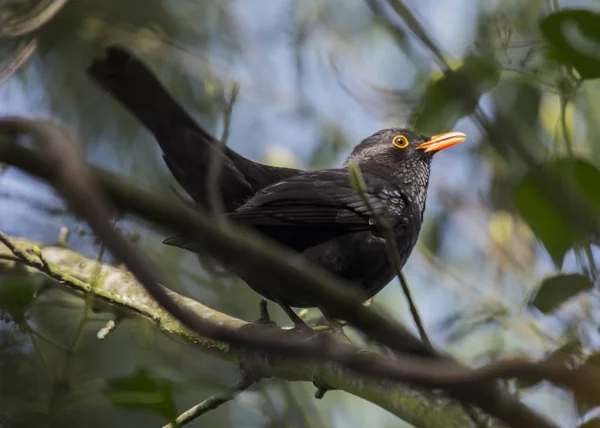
(86, 189)
(74, 273)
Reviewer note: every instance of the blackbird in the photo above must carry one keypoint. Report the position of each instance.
(316, 213)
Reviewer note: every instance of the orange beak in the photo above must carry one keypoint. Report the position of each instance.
(442, 141)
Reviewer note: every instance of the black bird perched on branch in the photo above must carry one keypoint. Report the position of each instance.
(316, 213)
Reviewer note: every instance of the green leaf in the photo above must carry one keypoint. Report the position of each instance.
(574, 39)
(17, 293)
(557, 289)
(143, 391)
(454, 95)
(560, 201)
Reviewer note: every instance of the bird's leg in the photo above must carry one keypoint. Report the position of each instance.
(335, 325)
(265, 318)
(299, 324)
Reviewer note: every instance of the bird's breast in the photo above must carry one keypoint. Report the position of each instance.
(362, 258)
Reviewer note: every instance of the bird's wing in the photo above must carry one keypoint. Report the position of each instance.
(186, 146)
(314, 207)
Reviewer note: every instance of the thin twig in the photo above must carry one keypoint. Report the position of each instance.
(564, 102)
(29, 19)
(531, 78)
(413, 306)
(48, 340)
(523, 45)
(24, 47)
(86, 313)
(216, 160)
(70, 352)
(384, 226)
(213, 402)
(591, 262)
(40, 354)
(228, 111)
(63, 237)
(414, 25)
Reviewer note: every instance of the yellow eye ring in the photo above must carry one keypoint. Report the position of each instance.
(400, 141)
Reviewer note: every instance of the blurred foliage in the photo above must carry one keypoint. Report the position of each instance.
(574, 40)
(555, 290)
(17, 294)
(454, 95)
(506, 264)
(552, 199)
(143, 391)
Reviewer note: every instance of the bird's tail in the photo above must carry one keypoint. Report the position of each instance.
(130, 82)
(186, 146)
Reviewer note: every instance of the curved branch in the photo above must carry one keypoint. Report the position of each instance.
(74, 272)
(57, 160)
(24, 17)
(14, 53)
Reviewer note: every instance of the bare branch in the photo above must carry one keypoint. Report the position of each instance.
(20, 18)
(213, 402)
(18, 52)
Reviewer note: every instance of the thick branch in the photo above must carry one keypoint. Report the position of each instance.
(418, 407)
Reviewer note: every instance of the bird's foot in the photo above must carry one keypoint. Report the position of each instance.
(336, 326)
(301, 326)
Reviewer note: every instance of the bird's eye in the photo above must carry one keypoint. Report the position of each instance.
(400, 141)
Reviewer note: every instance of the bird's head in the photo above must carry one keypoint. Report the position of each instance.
(403, 147)
(403, 156)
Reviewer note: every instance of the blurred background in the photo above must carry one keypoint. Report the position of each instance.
(315, 77)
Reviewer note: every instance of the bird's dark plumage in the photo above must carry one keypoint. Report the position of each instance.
(187, 147)
(316, 213)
